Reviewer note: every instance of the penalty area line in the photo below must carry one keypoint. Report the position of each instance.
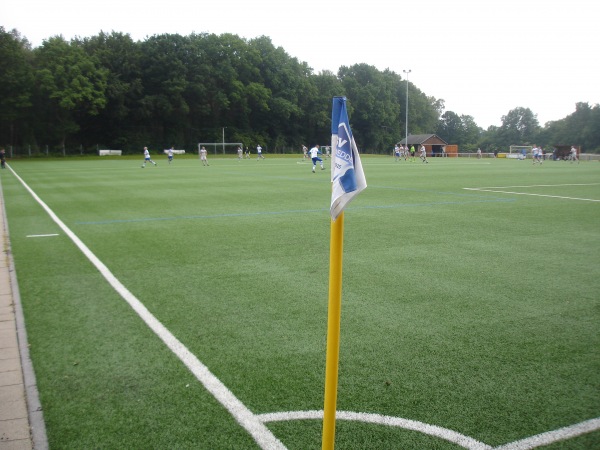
(538, 185)
(246, 418)
(495, 191)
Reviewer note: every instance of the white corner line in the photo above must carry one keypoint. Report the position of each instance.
(407, 424)
(551, 437)
(41, 235)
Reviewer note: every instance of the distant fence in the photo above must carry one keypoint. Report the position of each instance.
(175, 152)
(547, 156)
(110, 152)
(589, 157)
(483, 155)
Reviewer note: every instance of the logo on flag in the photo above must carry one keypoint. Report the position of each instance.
(347, 173)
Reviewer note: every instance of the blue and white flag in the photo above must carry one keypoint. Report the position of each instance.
(347, 173)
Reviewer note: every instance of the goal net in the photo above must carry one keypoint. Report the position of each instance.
(326, 151)
(519, 151)
(223, 148)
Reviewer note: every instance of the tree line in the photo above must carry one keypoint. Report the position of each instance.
(109, 91)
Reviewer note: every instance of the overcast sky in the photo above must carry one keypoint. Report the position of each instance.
(482, 57)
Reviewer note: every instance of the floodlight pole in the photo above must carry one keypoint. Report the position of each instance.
(406, 122)
(224, 140)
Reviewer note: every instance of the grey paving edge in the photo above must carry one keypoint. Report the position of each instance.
(34, 406)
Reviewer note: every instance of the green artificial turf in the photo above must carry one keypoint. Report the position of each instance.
(470, 310)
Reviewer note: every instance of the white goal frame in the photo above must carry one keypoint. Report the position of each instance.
(325, 151)
(219, 145)
(518, 148)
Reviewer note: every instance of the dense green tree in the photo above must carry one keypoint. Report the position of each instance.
(16, 85)
(324, 86)
(361, 86)
(117, 123)
(471, 132)
(460, 130)
(71, 85)
(423, 111)
(180, 90)
(378, 102)
(450, 128)
(580, 128)
(490, 141)
(163, 106)
(287, 80)
(519, 127)
(590, 133)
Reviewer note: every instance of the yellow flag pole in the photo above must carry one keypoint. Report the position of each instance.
(333, 331)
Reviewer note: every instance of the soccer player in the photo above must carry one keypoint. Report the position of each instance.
(412, 153)
(314, 154)
(305, 151)
(203, 153)
(536, 154)
(397, 152)
(240, 153)
(573, 155)
(170, 155)
(259, 152)
(147, 158)
(423, 154)
(3, 158)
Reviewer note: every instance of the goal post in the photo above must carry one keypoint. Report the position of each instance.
(519, 151)
(520, 148)
(225, 148)
(326, 150)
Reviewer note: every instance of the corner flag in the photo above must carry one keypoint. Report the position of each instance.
(348, 179)
(347, 173)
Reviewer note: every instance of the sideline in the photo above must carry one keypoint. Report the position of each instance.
(23, 395)
(248, 420)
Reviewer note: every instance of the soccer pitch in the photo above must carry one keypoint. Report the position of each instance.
(183, 306)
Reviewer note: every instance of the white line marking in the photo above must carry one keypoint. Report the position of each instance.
(553, 436)
(407, 424)
(538, 185)
(467, 442)
(421, 164)
(42, 235)
(500, 190)
(261, 434)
